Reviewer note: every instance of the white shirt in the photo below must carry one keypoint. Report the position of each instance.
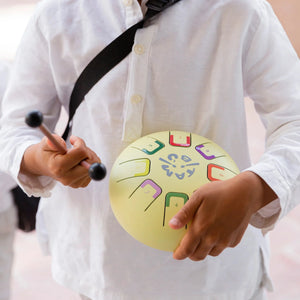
(6, 182)
(190, 70)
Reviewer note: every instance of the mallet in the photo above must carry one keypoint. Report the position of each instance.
(97, 171)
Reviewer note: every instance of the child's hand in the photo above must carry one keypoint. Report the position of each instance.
(220, 213)
(44, 159)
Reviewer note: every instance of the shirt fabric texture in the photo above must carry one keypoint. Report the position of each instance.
(8, 217)
(6, 182)
(8, 224)
(189, 70)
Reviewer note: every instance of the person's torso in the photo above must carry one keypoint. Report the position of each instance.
(185, 73)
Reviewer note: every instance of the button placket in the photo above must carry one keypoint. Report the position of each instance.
(127, 2)
(135, 99)
(133, 12)
(139, 49)
(137, 84)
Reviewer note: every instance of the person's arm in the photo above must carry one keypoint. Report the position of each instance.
(272, 76)
(31, 87)
(37, 83)
(221, 211)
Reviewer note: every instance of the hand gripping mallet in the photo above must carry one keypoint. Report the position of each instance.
(97, 171)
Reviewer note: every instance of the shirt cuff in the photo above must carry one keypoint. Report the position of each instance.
(268, 215)
(37, 186)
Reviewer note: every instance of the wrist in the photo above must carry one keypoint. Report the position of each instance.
(29, 164)
(261, 193)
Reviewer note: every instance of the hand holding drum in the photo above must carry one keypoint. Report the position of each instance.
(97, 171)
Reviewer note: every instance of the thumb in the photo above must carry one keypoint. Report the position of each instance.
(185, 215)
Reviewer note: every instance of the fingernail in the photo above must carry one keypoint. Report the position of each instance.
(175, 222)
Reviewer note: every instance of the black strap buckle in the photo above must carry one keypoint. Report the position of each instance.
(159, 5)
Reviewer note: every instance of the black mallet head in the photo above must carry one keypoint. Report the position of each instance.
(34, 118)
(97, 171)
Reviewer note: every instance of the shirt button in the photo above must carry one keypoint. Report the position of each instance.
(135, 99)
(127, 2)
(139, 49)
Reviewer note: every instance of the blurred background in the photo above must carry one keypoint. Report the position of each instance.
(31, 278)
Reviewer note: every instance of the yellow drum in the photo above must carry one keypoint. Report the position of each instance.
(156, 175)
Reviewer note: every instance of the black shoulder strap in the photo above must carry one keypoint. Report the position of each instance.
(109, 57)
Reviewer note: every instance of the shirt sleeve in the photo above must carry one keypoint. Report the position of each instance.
(31, 87)
(6, 183)
(272, 76)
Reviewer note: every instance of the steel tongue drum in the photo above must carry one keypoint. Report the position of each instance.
(156, 175)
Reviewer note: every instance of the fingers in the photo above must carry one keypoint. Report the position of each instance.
(77, 178)
(66, 168)
(215, 251)
(200, 253)
(74, 177)
(189, 245)
(197, 242)
(79, 146)
(197, 249)
(76, 141)
(218, 219)
(185, 215)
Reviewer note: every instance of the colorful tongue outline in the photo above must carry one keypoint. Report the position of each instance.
(186, 144)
